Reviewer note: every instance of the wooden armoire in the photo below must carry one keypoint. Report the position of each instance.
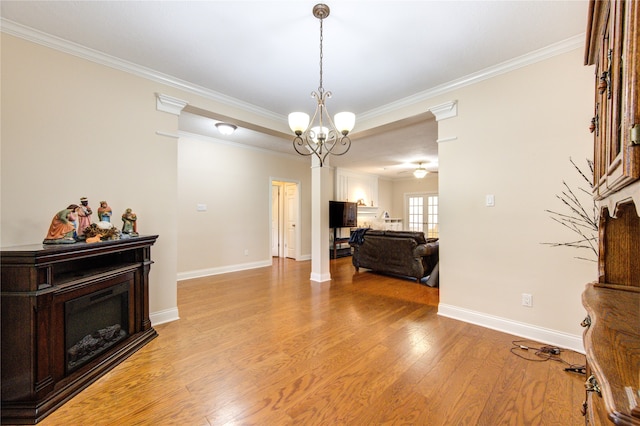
(612, 325)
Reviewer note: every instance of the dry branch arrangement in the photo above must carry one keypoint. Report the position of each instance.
(582, 221)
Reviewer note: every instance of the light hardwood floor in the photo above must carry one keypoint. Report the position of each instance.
(269, 347)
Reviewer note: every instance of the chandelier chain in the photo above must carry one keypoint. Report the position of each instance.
(320, 88)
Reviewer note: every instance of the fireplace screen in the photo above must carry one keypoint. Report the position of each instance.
(94, 323)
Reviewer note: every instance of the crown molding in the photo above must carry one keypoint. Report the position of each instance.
(445, 110)
(198, 136)
(57, 43)
(169, 104)
(572, 43)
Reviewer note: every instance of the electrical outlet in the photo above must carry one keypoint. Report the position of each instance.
(246, 252)
(527, 300)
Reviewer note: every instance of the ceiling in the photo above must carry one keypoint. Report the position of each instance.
(265, 54)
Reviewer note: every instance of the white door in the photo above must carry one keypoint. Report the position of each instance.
(291, 218)
(422, 213)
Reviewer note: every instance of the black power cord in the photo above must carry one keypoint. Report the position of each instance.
(544, 353)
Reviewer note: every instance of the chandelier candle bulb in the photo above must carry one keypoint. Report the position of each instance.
(298, 122)
(345, 121)
(319, 133)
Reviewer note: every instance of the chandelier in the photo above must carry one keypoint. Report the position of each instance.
(321, 136)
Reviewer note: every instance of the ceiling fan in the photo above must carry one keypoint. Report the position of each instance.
(420, 172)
(418, 169)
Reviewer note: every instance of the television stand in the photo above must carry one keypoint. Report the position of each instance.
(338, 251)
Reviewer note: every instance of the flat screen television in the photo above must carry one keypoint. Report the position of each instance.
(343, 214)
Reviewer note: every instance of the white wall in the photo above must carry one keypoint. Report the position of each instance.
(235, 184)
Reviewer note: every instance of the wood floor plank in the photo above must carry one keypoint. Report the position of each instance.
(269, 347)
(482, 376)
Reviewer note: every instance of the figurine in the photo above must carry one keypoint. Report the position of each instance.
(129, 225)
(62, 229)
(104, 212)
(101, 231)
(84, 216)
(74, 208)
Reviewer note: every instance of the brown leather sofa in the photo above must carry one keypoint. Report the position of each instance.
(403, 253)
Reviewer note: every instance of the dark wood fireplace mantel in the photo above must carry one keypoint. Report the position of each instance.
(37, 283)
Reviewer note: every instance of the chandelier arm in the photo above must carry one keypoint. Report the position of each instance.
(331, 126)
(297, 141)
(304, 142)
(324, 157)
(343, 141)
(320, 100)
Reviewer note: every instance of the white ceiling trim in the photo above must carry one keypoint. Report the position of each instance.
(555, 49)
(445, 110)
(169, 104)
(57, 43)
(197, 136)
(39, 37)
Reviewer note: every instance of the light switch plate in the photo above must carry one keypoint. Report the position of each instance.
(490, 200)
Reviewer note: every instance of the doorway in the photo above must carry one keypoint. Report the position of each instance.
(284, 219)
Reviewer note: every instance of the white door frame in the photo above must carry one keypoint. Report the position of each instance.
(276, 219)
(281, 249)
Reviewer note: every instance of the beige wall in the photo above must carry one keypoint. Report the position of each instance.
(235, 184)
(515, 134)
(429, 185)
(91, 130)
(385, 196)
(72, 128)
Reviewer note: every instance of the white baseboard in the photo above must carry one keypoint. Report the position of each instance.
(527, 331)
(161, 317)
(320, 278)
(222, 270)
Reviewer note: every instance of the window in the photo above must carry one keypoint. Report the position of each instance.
(423, 214)
(432, 216)
(416, 213)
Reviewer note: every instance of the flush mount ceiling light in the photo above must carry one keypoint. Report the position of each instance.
(321, 136)
(420, 172)
(226, 128)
